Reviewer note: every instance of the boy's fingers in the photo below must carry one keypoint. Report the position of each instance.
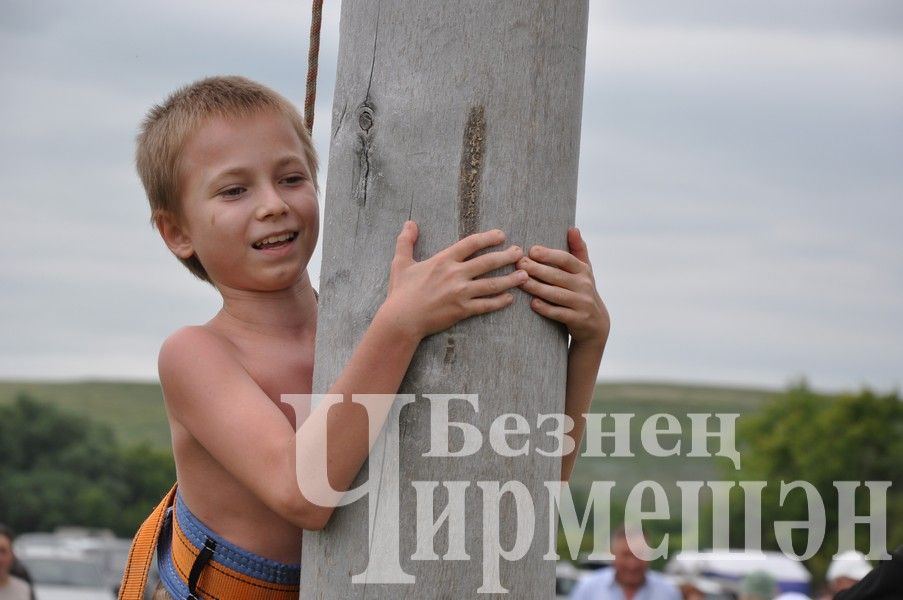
(490, 261)
(550, 311)
(462, 249)
(494, 285)
(404, 245)
(577, 245)
(559, 258)
(552, 275)
(550, 293)
(479, 306)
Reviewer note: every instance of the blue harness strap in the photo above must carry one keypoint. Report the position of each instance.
(195, 563)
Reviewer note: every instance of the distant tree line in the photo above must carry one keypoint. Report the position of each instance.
(803, 435)
(797, 435)
(58, 469)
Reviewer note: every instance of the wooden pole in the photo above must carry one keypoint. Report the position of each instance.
(463, 116)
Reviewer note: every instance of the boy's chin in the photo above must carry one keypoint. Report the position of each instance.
(274, 280)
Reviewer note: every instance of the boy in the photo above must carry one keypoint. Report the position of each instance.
(230, 174)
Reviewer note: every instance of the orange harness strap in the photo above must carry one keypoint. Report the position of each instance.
(194, 566)
(216, 580)
(141, 553)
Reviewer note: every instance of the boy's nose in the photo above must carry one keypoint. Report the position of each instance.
(270, 204)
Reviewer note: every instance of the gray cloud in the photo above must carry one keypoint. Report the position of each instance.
(808, 17)
(739, 186)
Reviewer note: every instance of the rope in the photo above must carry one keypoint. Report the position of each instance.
(312, 56)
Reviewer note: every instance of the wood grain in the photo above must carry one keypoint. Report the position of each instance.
(463, 116)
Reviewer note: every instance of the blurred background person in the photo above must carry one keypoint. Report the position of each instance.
(758, 585)
(11, 587)
(845, 571)
(629, 577)
(690, 591)
(884, 582)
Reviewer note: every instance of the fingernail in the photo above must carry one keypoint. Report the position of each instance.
(522, 275)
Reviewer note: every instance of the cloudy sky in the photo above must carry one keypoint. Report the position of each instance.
(741, 181)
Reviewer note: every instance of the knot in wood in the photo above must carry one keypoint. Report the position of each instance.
(365, 118)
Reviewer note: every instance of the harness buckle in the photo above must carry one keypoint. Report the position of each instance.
(200, 562)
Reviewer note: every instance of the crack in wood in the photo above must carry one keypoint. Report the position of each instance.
(340, 119)
(365, 146)
(471, 170)
(365, 121)
(373, 60)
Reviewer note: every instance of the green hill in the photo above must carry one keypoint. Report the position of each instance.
(135, 412)
(644, 400)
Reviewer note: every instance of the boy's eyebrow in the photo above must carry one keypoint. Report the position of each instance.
(229, 173)
(282, 162)
(288, 159)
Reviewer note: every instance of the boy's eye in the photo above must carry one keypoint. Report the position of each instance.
(232, 192)
(293, 179)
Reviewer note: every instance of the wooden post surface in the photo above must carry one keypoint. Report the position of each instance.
(463, 116)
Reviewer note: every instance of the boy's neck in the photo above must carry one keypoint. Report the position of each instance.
(283, 313)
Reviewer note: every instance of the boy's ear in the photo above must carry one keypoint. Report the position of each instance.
(174, 234)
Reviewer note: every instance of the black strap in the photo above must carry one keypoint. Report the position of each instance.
(200, 562)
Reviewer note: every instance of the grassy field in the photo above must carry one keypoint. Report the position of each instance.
(644, 400)
(135, 412)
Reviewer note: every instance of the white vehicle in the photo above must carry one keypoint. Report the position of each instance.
(709, 588)
(729, 567)
(64, 574)
(101, 546)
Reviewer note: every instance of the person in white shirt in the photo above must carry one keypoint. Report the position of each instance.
(629, 577)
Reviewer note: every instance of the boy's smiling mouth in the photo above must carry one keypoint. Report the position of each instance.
(276, 240)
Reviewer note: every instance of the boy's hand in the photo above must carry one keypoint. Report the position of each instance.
(432, 295)
(564, 289)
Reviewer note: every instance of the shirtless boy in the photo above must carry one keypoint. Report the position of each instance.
(230, 174)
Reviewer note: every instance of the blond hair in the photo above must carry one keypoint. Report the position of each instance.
(167, 126)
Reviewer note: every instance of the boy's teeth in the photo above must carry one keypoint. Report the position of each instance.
(274, 239)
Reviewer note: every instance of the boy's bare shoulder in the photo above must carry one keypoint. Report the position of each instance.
(191, 346)
(207, 385)
(197, 362)
(194, 354)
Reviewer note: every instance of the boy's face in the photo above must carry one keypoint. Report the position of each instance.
(249, 207)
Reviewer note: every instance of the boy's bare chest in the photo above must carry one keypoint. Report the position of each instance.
(280, 370)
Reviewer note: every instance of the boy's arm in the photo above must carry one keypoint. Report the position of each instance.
(211, 394)
(583, 366)
(565, 290)
(423, 298)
